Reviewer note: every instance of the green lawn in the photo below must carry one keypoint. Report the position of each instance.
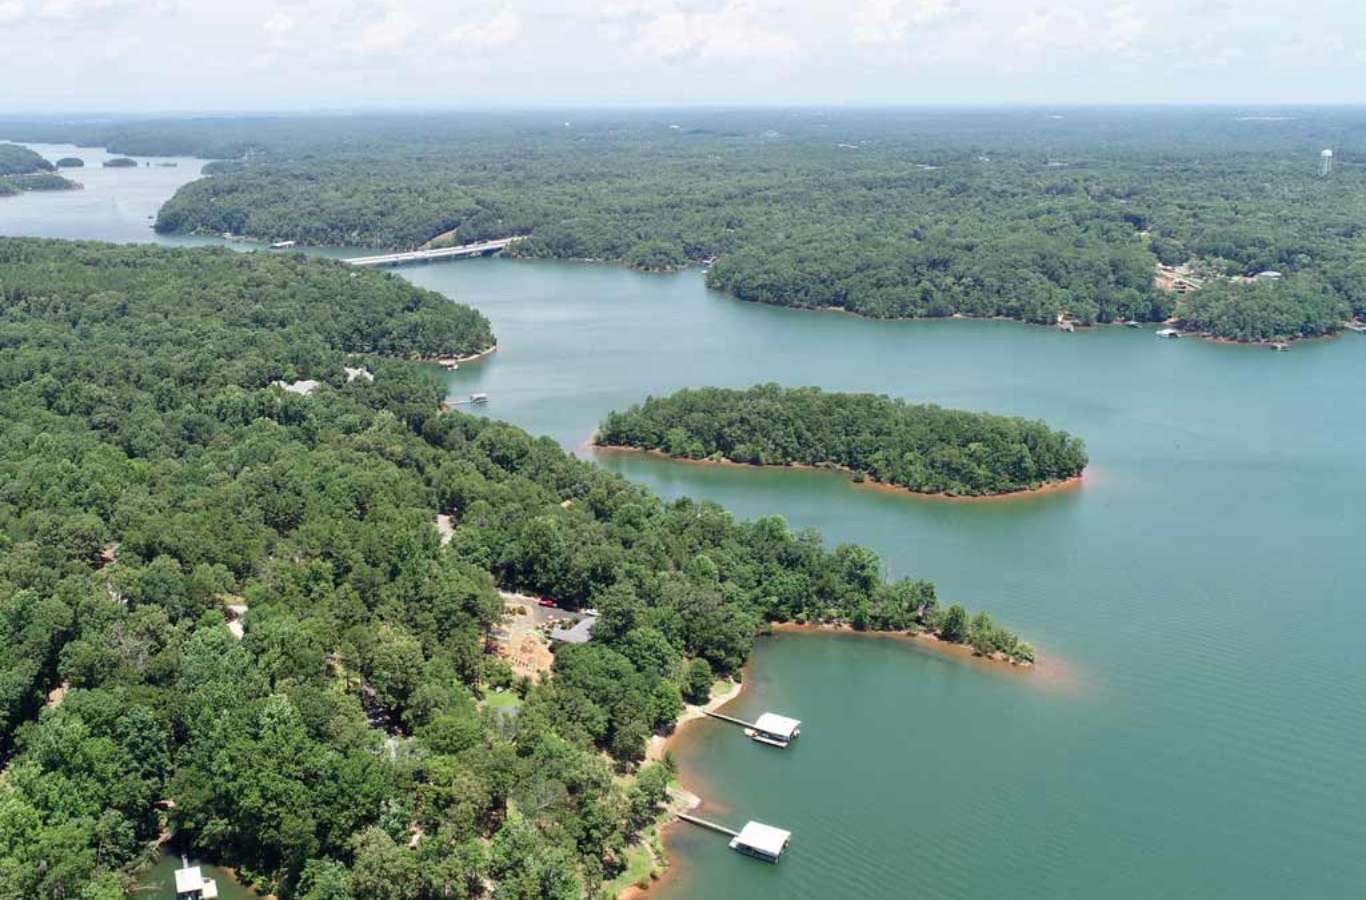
(639, 865)
(505, 700)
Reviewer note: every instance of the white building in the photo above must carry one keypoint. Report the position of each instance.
(303, 387)
(761, 841)
(190, 884)
(771, 728)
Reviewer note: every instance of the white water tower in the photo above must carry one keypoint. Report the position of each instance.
(1325, 162)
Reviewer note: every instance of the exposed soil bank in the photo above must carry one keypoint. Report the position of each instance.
(1051, 487)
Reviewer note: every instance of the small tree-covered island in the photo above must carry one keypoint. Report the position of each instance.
(229, 618)
(922, 448)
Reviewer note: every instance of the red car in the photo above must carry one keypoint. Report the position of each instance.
(546, 601)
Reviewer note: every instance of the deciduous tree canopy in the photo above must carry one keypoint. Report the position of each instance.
(922, 448)
(153, 481)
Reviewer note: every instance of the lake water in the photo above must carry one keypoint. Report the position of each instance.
(1196, 729)
(158, 883)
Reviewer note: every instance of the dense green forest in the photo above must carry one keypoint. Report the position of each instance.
(919, 447)
(70, 162)
(120, 162)
(151, 475)
(1297, 306)
(887, 213)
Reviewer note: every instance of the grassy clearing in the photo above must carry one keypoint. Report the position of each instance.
(505, 700)
(640, 866)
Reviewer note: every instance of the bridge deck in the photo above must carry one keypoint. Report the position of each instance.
(395, 259)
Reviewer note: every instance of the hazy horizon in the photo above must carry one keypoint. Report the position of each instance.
(182, 56)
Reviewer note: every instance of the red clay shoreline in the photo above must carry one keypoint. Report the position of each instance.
(1051, 487)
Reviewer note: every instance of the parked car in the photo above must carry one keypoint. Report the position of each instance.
(590, 611)
(546, 601)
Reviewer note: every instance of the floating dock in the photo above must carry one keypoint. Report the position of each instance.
(769, 728)
(471, 400)
(756, 839)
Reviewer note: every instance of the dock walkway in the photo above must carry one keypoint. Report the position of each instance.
(696, 820)
(725, 718)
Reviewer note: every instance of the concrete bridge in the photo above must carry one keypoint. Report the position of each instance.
(480, 248)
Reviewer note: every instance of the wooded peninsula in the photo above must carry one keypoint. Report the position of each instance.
(920, 447)
(21, 169)
(341, 741)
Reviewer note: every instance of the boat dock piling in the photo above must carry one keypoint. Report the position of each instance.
(741, 722)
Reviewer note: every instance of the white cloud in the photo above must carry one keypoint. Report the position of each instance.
(215, 54)
(495, 32)
(1087, 27)
(397, 27)
(891, 21)
(735, 29)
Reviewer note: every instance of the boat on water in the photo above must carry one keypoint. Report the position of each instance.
(479, 398)
(1168, 333)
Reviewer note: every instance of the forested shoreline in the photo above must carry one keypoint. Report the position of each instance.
(155, 475)
(21, 169)
(1007, 213)
(922, 448)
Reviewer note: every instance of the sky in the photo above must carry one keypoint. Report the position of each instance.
(226, 55)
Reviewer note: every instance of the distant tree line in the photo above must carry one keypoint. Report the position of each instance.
(919, 447)
(881, 213)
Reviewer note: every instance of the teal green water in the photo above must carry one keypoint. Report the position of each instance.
(159, 881)
(1196, 731)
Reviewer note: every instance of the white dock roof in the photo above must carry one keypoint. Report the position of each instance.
(772, 723)
(188, 879)
(764, 838)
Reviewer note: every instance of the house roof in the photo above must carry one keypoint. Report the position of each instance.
(772, 723)
(210, 889)
(304, 387)
(764, 838)
(188, 879)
